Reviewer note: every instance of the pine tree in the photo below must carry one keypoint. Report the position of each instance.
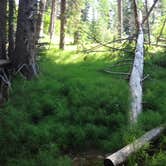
(24, 58)
(3, 6)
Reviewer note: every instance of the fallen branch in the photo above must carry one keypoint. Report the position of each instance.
(156, 45)
(124, 60)
(112, 48)
(101, 44)
(122, 155)
(145, 77)
(162, 39)
(118, 73)
(117, 65)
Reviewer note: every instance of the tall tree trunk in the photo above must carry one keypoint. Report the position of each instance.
(148, 27)
(11, 27)
(40, 22)
(137, 74)
(63, 22)
(24, 59)
(3, 6)
(52, 19)
(136, 16)
(120, 18)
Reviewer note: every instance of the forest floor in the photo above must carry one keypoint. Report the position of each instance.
(74, 109)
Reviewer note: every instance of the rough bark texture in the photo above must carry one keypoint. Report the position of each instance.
(52, 19)
(122, 155)
(3, 6)
(148, 27)
(24, 59)
(42, 5)
(11, 27)
(137, 75)
(120, 18)
(136, 15)
(63, 22)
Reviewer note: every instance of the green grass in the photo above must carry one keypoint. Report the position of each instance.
(73, 107)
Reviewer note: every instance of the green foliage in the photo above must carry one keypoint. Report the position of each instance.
(158, 160)
(74, 106)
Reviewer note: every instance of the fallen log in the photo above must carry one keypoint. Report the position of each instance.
(122, 155)
(156, 45)
(116, 72)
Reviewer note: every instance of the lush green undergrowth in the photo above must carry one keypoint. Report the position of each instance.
(74, 106)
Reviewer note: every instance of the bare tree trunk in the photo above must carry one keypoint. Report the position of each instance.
(24, 59)
(63, 22)
(146, 5)
(120, 18)
(3, 6)
(52, 19)
(40, 22)
(137, 75)
(11, 28)
(136, 16)
(122, 155)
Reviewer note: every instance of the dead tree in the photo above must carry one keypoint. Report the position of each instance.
(24, 59)
(137, 75)
(122, 155)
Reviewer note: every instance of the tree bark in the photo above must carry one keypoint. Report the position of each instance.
(11, 37)
(24, 58)
(52, 19)
(3, 6)
(137, 75)
(148, 27)
(120, 18)
(63, 22)
(136, 16)
(40, 22)
(122, 155)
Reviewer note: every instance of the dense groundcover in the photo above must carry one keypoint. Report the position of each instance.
(74, 106)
